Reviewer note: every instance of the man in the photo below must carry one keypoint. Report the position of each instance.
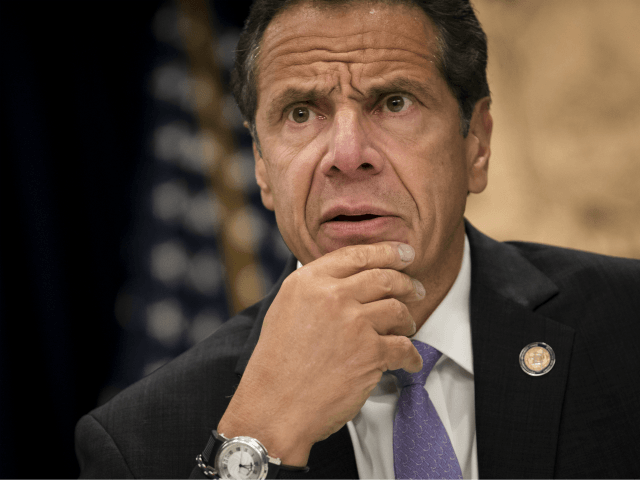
(371, 125)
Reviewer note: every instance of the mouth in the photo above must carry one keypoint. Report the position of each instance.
(345, 225)
(358, 225)
(354, 218)
(352, 222)
(354, 213)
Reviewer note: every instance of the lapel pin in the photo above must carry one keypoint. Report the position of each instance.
(537, 359)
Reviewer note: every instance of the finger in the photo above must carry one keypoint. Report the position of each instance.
(379, 283)
(347, 261)
(389, 317)
(399, 352)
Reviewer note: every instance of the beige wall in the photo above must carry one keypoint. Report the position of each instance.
(565, 168)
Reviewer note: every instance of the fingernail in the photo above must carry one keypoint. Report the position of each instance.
(407, 253)
(419, 288)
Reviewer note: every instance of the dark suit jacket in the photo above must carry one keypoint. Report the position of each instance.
(582, 419)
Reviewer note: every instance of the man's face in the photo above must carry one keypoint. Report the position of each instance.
(360, 135)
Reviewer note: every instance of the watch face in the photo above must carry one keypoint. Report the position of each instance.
(242, 458)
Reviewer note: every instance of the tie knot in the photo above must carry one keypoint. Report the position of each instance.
(429, 358)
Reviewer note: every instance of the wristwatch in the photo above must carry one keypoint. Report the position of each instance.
(239, 458)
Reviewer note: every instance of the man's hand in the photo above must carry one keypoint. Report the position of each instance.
(335, 326)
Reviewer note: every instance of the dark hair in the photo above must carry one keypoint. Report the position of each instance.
(462, 51)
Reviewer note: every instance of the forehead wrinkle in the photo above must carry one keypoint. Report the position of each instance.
(300, 44)
(368, 59)
(368, 33)
(343, 55)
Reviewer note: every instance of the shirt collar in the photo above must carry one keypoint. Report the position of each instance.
(448, 329)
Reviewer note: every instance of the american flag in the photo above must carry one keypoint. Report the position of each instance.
(201, 246)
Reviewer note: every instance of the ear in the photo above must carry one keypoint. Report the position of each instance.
(479, 146)
(262, 178)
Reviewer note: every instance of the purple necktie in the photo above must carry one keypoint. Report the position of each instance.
(421, 446)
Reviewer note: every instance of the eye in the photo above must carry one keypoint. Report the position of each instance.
(396, 103)
(300, 114)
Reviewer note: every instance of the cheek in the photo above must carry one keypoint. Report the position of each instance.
(291, 178)
(297, 137)
(432, 170)
(405, 128)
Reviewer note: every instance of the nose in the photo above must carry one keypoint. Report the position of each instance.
(351, 152)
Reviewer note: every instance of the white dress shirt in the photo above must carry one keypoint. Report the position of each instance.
(450, 387)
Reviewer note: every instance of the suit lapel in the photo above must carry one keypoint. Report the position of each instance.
(517, 415)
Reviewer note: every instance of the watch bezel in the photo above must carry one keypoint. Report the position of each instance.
(247, 442)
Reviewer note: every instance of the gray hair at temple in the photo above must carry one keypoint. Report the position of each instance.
(461, 56)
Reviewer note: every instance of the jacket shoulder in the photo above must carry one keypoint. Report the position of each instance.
(159, 424)
(598, 297)
(584, 273)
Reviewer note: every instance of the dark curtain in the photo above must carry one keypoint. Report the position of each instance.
(72, 113)
(72, 118)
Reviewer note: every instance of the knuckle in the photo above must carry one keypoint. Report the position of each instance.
(360, 257)
(408, 344)
(399, 310)
(370, 277)
(386, 280)
(405, 345)
(380, 352)
(384, 251)
(354, 324)
(398, 348)
(364, 256)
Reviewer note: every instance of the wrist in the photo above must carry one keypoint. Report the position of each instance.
(241, 457)
(279, 442)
